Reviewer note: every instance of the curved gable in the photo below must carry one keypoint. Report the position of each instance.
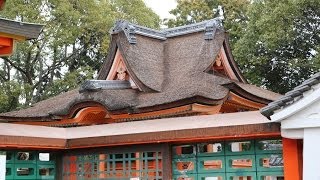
(119, 71)
(224, 64)
(143, 61)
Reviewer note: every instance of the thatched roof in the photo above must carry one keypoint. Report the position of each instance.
(168, 66)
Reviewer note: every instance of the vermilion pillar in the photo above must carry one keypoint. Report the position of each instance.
(102, 165)
(292, 159)
(73, 167)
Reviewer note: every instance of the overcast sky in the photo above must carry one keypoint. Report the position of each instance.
(161, 7)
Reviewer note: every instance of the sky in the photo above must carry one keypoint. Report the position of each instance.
(162, 7)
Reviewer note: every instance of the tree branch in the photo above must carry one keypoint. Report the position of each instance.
(3, 77)
(14, 65)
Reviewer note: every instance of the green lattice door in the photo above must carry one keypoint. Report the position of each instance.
(231, 160)
(25, 165)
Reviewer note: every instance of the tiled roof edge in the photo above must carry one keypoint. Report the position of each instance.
(291, 96)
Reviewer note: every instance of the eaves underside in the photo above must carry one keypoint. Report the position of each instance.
(213, 127)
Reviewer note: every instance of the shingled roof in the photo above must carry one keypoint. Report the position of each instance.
(17, 28)
(168, 66)
(291, 96)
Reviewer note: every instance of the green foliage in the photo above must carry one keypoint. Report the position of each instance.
(71, 80)
(136, 12)
(193, 11)
(275, 42)
(279, 48)
(9, 95)
(75, 37)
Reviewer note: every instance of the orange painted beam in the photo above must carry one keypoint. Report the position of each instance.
(6, 46)
(234, 98)
(31, 147)
(292, 159)
(23, 142)
(5, 41)
(171, 111)
(6, 51)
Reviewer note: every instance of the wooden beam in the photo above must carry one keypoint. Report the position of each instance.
(22, 142)
(227, 66)
(187, 135)
(236, 99)
(13, 36)
(180, 129)
(206, 109)
(154, 114)
(186, 109)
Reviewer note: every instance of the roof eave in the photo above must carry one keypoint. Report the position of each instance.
(231, 60)
(20, 29)
(291, 98)
(297, 106)
(239, 91)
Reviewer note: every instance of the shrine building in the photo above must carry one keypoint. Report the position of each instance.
(166, 104)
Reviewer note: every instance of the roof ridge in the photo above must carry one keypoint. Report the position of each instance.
(130, 29)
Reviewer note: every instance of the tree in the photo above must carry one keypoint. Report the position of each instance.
(74, 40)
(193, 11)
(9, 96)
(279, 48)
(275, 42)
(71, 80)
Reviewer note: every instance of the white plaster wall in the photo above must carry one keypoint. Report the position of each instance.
(302, 120)
(2, 167)
(311, 154)
(292, 133)
(309, 117)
